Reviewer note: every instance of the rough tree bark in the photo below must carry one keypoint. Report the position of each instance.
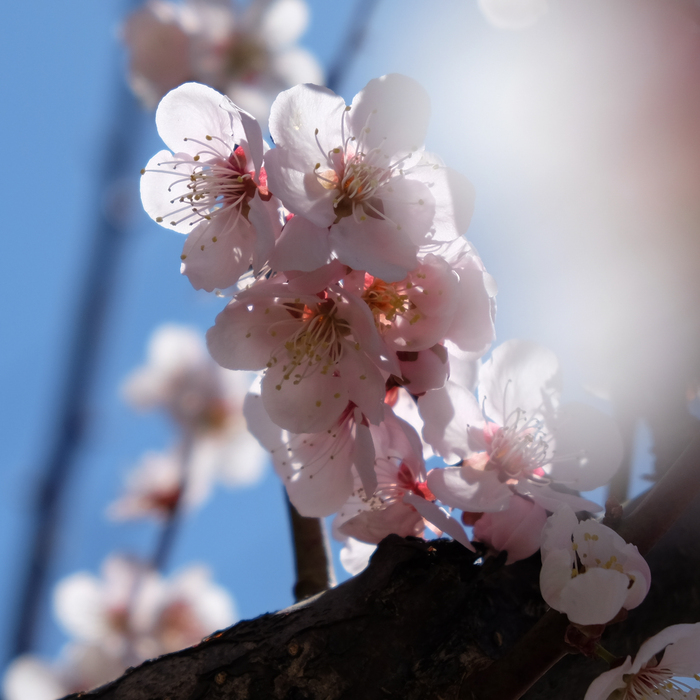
(416, 624)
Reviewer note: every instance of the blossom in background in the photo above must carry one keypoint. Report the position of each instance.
(127, 615)
(588, 571)
(134, 614)
(79, 667)
(212, 186)
(206, 402)
(250, 55)
(661, 660)
(358, 176)
(516, 440)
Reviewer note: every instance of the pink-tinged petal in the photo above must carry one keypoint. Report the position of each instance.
(302, 246)
(435, 515)
(588, 447)
(265, 219)
(309, 406)
(469, 489)
(375, 246)
(295, 183)
(552, 500)
(555, 575)
(454, 204)
(557, 531)
(315, 281)
(296, 115)
(432, 292)
(253, 143)
(424, 370)
(192, 112)
(354, 556)
(364, 332)
(446, 414)
(374, 525)
(391, 113)
(217, 253)
(593, 598)
(364, 455)
(259, 424)
(682, 657)
(242, 337)
(364, 383)
(473, 327)
(409, 205)
(517, 530)
(607, 683)
(519, 375)
(163, 182)
(318, 488)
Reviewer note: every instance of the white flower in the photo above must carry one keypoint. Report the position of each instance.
(516, 439)
(588, 571)
(250, 55)
(80, 667)
(661, 660)
(368, 194)
(211, 186)
(133, 614)
(206, 401)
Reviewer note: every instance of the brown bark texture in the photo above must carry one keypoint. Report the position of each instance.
(417, 623)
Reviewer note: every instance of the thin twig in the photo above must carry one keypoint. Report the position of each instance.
(354, 39)
(314, 565)
(165, 542)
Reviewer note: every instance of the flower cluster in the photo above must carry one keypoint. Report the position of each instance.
(120, 619)
(365, 311)
(205, 402)
(249, 54)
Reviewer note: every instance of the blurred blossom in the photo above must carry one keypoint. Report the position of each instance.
(206, 401)
(79, 667)
(127, 615)
(249, 54)
(513, 14)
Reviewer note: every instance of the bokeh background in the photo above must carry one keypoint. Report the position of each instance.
(580, 132)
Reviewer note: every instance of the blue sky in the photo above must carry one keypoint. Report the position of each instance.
(61, 67)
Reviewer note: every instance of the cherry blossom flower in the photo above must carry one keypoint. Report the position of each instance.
(516, 439)
(249, 55)
(316, 468)
(206, 401)
(79, 667)
(368, 194)
(588, 571)
(211, 186)
(318, 347)
(402, 502)
(661, 660)
(134, 614)
(156, 487)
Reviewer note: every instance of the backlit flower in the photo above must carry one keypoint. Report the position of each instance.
(211, 186)
(589, 572)
(660, 663)
(358, 174)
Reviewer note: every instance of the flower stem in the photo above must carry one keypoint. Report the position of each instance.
(602, 653)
